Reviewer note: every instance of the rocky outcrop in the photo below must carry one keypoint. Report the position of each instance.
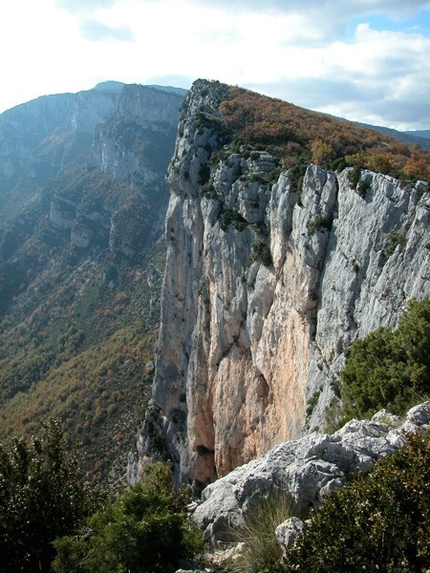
(306, 470)
(39, 138)
(265, 286)
(97, 161)
(137, 140)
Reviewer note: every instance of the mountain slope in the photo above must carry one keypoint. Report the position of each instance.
(82, 204)
(275, 264)
(420, 138)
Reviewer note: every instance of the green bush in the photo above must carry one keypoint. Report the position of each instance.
(231, 217)
(393, 239)
(41, 497)
(297, 172)
(378, 523)
(319, 223)
(354, 176)
(362, 187)
(143, 531)
(261, 252)
(389, 368)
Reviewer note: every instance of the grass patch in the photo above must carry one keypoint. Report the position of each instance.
(261, 551)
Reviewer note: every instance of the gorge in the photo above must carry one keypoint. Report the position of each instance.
(288, 235)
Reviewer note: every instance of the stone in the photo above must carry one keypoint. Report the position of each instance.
(304, 470)
(288, 531)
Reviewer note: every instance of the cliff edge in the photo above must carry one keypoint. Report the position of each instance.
(268, 279)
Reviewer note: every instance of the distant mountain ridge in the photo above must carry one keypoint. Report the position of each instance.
(424, 133)
(421, 138)
(82, 201)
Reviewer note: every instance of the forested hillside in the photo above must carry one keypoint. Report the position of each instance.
(82, 202)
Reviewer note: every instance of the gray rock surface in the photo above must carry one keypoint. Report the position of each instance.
(288, 531)
(265, 287)
(306, 469)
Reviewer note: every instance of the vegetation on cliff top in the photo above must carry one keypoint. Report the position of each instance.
(292, 133)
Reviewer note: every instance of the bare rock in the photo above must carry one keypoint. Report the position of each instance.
(305, 470)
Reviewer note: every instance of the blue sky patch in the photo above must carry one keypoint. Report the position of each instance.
(418, 24)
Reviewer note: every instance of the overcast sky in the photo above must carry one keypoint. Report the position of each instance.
(365, 60)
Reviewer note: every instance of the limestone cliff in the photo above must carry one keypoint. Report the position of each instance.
(266, 283)
(40, 137)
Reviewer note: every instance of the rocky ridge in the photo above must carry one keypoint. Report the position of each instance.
(266, 284)
(40, 137)
(306, 470)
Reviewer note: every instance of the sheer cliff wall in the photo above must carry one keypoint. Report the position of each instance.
(265, 287)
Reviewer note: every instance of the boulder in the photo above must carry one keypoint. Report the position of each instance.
(306, 470)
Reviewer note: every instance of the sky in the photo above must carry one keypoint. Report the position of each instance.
(364, 60)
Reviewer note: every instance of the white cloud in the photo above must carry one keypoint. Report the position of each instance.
(96, 31)
(311, 53)
(75, 6)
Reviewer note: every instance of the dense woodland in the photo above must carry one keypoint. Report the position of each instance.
(294, 134)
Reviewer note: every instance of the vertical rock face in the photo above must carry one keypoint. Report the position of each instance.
(39, 138)
(98, 158)
(264, 288)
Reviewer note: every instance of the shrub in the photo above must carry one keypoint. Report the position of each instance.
(393, 239)
(377, 523)
(41, 497)
(389, 369)
(322, 152)
(319, 223)
(296, 174)
(362, 187)
(354, 176)
(144, 531)
(261, 551)
(231, 217)
(261, 252)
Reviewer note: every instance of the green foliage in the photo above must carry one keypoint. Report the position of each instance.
(143, 531)
(261, 252)
(296, 174)
(393, 239)
(354, 176)
(231, 217)
(208, 189)
(389, 369)
(362, 187)
(319, 223)
(377, 523)
(42, 496)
